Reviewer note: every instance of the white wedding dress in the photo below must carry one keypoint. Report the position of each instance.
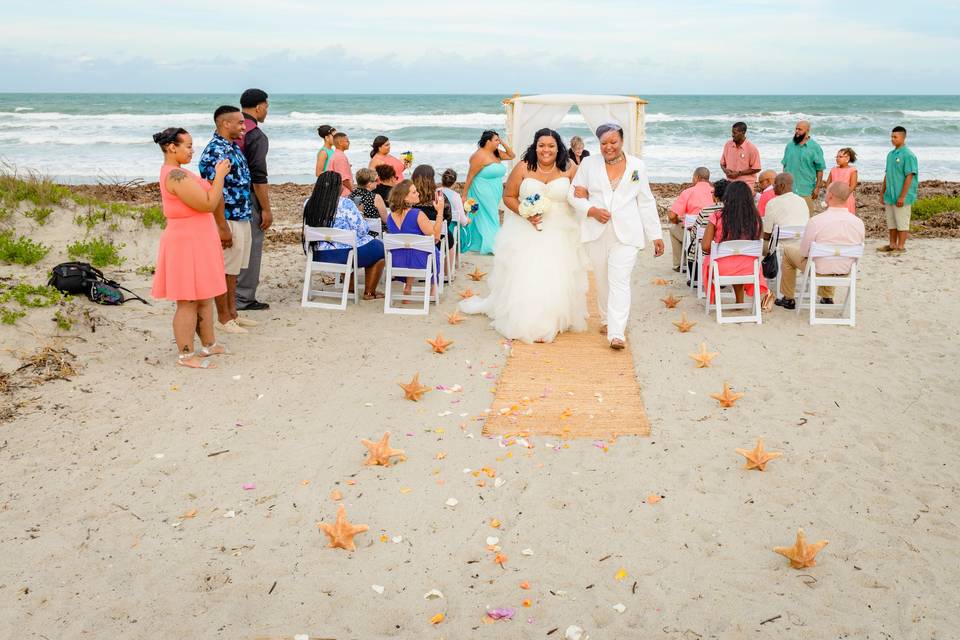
(538, 287)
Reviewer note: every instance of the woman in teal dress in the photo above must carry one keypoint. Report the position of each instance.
(485, 185)
(325, 155)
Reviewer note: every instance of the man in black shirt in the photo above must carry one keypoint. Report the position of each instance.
(255, 145)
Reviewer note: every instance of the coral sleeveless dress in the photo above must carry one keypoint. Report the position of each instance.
(842, 174)
(190, 258)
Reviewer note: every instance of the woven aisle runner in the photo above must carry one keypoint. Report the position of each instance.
(575, 387)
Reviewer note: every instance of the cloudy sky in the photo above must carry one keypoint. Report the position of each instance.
(491, 46)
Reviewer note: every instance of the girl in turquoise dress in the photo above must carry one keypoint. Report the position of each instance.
(484, 184)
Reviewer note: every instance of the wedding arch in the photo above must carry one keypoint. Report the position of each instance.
(527, 114)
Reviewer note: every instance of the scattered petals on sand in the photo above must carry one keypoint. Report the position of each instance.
(336, 496)
(380, 452)
(413, 390)
(525, 585)
(341, 532)
(500, 559)
(527, 603)
(376, 587)
(452, 502)
(527, 552)
(492, 541)
(503, 613)
(467, 294)
(437, 619)
(249, 486)
(230, 514)
(654, 498)
(495, 523)
(574, 632)
(439, 344)
(455, 318)
(757, 458)
(619, 607)
(670, 302)
(476, 275)
(703, 358)
(660, 282)
(189, 514)
(683, 326)
(801, 554)
(727, 398)
(620, 574)
(433, 594)
(405, 490)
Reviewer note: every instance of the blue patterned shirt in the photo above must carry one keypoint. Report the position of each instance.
(348, 217)
(236, 186)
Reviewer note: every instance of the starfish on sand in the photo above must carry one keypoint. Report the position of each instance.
(703, 357)
(341, 532)
(683, 326)
(476, 275)
(727, 398)
(757, 458)
(670, 302)
(660, 282)
(467, 294)
(455, 318)
(801, 554)
(413, 390)
(439, 344)
(380, 452)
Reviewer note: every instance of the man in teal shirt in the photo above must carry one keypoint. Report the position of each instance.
(899, 191)
(803, 158)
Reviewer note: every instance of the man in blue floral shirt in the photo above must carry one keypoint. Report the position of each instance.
(233, 215)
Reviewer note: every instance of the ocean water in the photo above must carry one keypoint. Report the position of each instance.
(84, 138)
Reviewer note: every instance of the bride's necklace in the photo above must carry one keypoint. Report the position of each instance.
(615, 160)
(553, 169)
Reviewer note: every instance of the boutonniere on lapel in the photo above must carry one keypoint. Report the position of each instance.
(635, 176)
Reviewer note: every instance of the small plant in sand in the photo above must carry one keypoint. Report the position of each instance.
(10, 316)
(29, 187)
(926, 208)
(39, 214)
(146, 270)
(100, 252)
(153, 217)
(27, 297)
(20, 249)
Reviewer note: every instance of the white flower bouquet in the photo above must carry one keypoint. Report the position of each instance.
(533, 206)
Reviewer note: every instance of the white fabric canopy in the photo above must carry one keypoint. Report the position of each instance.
(527, 114)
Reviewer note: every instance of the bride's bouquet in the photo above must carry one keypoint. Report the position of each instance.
(533, 206)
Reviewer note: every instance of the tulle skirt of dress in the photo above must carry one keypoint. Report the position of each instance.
(538, 287)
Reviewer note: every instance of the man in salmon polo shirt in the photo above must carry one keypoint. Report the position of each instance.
(740, 159)
(690, 201)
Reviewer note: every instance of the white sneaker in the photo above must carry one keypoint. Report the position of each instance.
(246, 322)
(232, 327)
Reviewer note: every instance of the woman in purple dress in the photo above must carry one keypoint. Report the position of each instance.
(406, 218)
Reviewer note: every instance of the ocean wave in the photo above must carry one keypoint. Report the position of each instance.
(938, 115)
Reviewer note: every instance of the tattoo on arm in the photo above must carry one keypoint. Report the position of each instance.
(177, 175)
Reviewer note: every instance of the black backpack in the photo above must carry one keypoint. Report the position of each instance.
(80, 277)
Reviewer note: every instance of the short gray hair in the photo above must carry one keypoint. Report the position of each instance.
(604, 129)
(783, 183)
(838, 192)
(701, 173)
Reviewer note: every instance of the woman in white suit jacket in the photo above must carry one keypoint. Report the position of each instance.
(618, 215)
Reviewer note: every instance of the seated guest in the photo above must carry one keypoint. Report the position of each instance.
(424, 178)
(835, 225)
(459, 217)
(703, 218)
(738, 220)
(369, 202)
(405, 217)
(576, 152)
(386, 180)
(327, 208)
(765, 188)
(690, 201)
(787, 209)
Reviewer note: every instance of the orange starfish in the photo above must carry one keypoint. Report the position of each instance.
(455, 318)
(801, 554)
(413, 390)
(439, 344)
(379, 453)
(703, 357)
(467, 294)
(726, 399)
(683, 326)
(758, 458)
(660, 282)
(670, 302)
(341, 532)
(477, 275)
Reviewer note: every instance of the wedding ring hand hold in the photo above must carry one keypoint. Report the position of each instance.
(581, 192)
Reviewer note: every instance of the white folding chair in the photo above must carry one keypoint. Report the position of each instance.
(698, 262)
(347, 270)
(688, 221)
(811, 281)
(785, 234)
(752, 248)
(425, 244)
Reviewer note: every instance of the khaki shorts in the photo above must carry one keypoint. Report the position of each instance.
(237, 257)
(898, 217)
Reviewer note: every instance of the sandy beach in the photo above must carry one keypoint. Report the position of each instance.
(143, 500)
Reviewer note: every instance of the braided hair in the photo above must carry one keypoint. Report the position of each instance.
(321, 208)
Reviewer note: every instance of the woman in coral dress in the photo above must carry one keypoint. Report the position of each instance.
(738, 220)
(190, 258)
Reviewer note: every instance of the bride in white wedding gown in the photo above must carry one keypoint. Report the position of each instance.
(538, 287)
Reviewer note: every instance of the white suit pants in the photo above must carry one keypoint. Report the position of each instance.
(612, 266)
